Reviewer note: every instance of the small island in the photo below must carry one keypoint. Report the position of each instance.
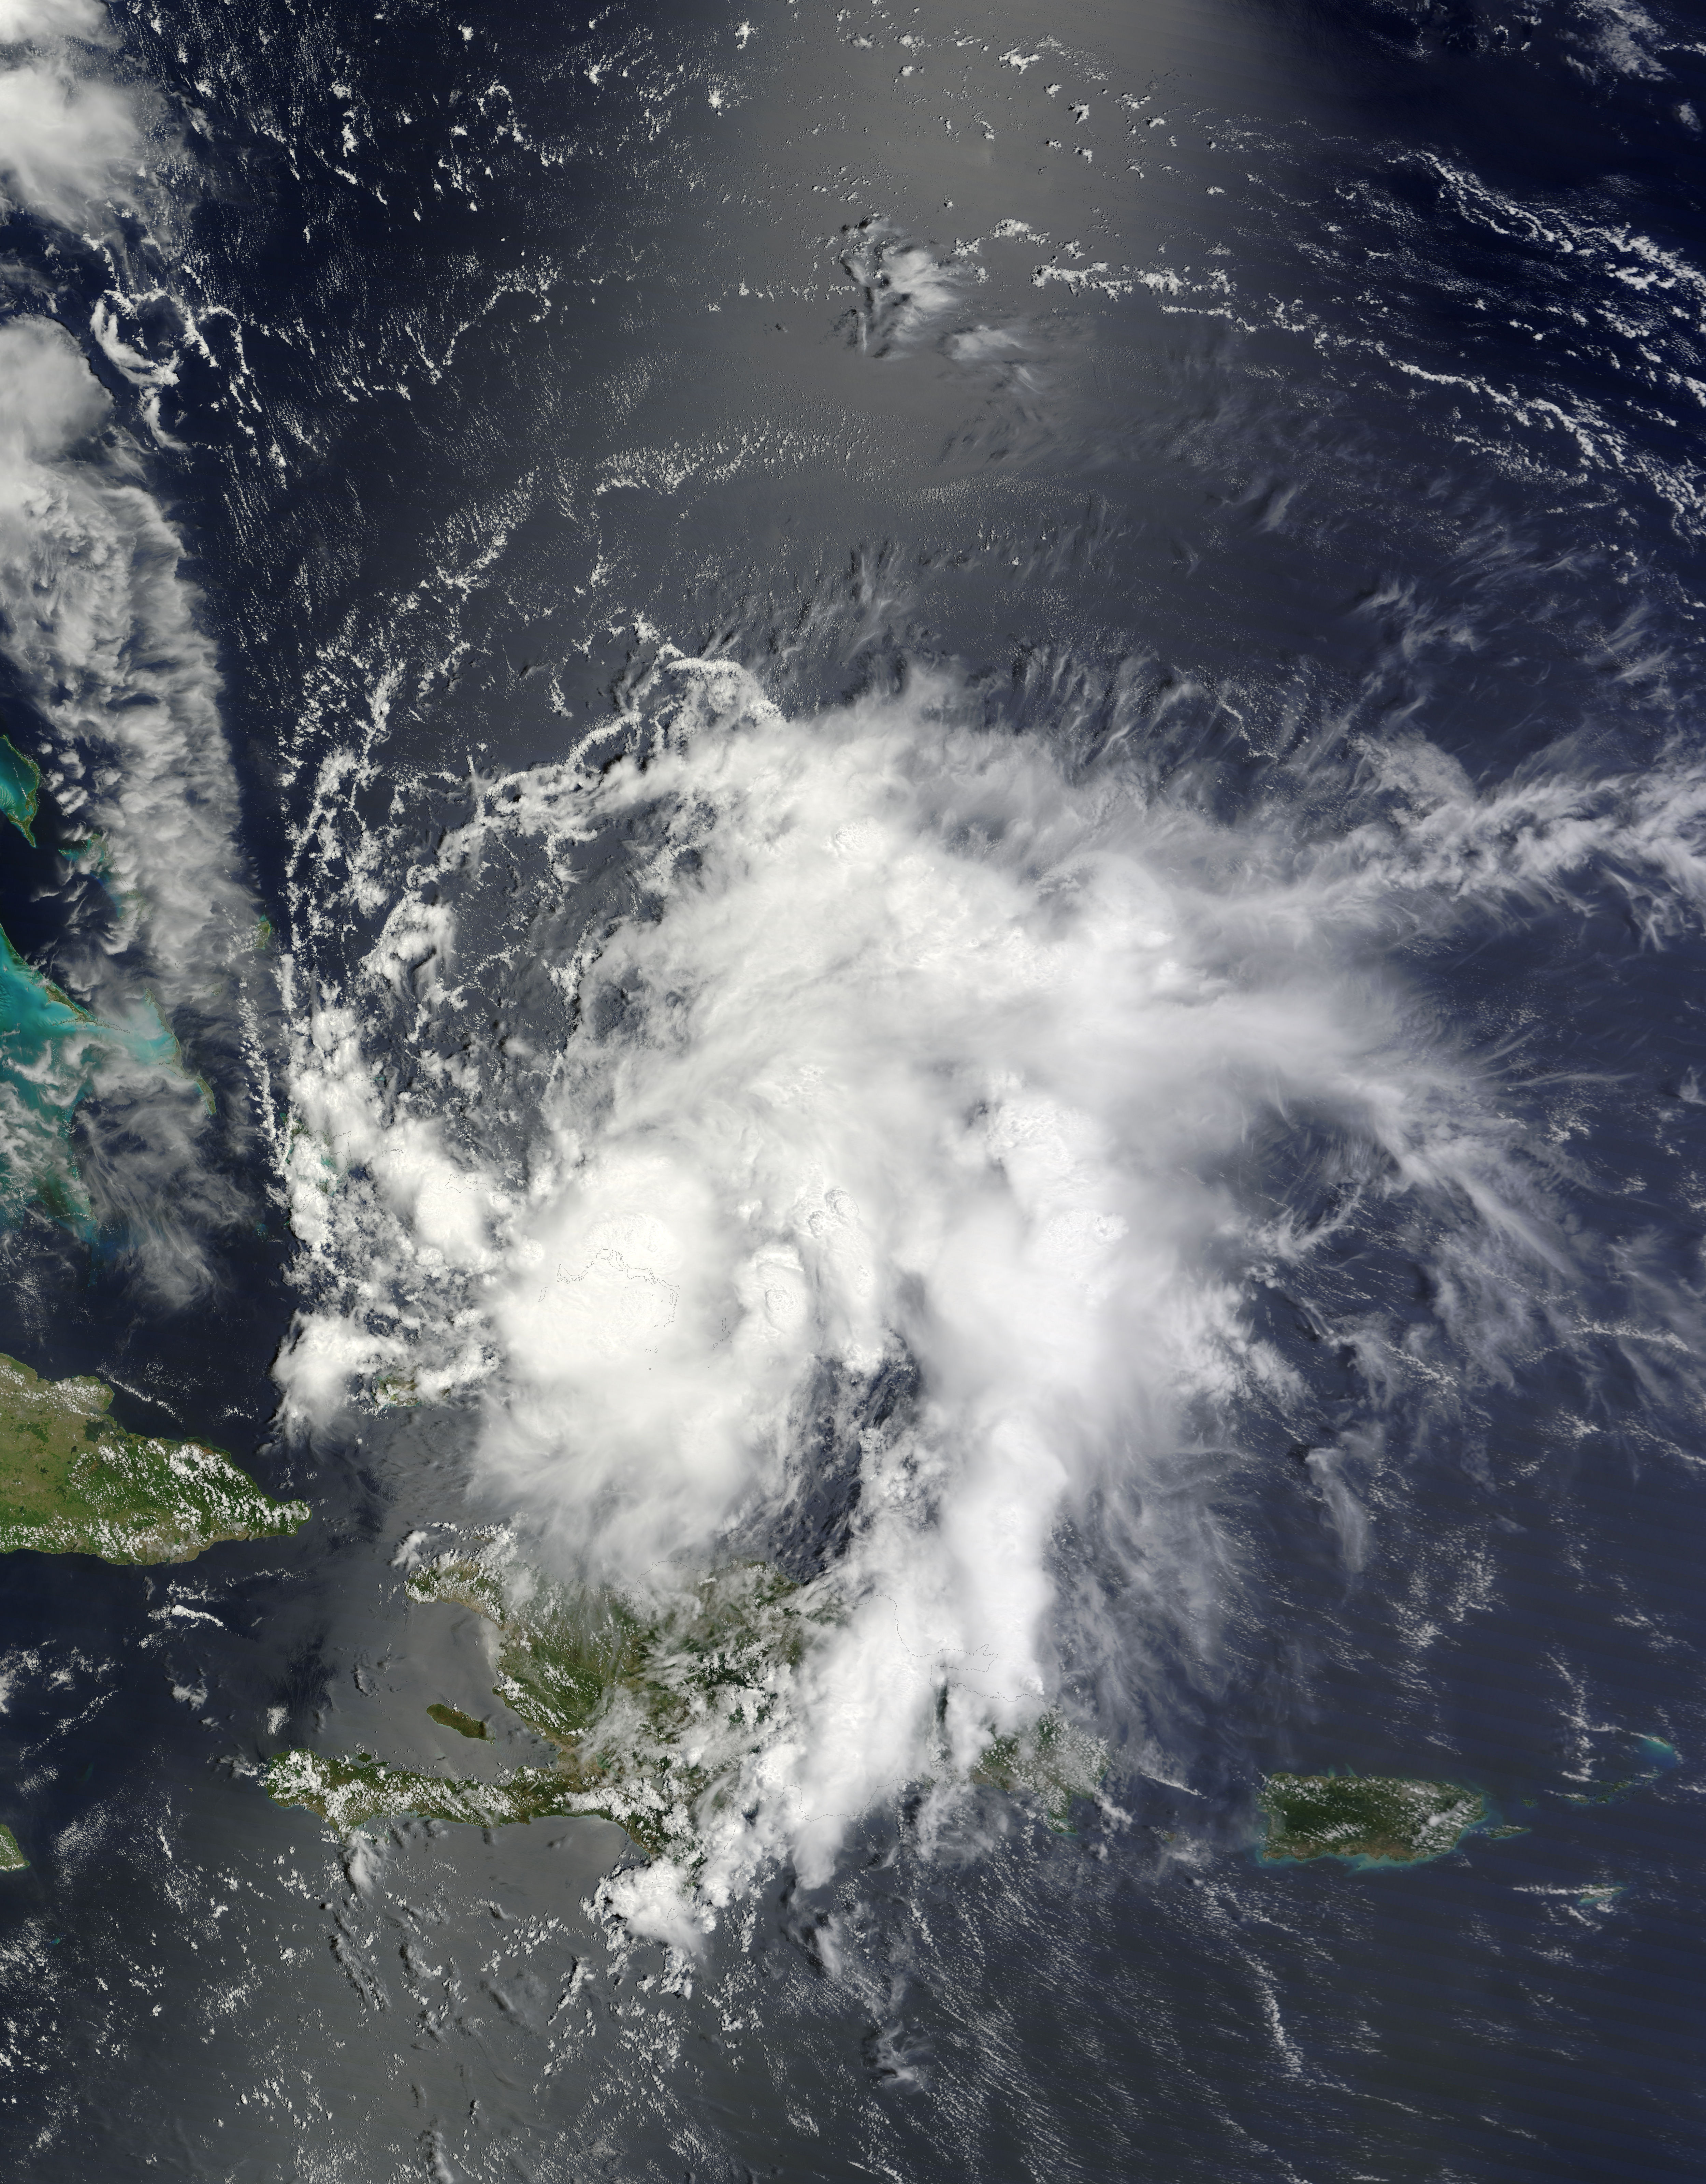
(74, 1482)
(465, 1725)
(21, 788)
(53, 1053)
(1654, 1757)
(12, 1859)
(1377, 1819)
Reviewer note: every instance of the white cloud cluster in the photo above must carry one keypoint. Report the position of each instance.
(39, 22)
(103, 635)
(925, 1050)
(63, 143)
(102, 630)
(903, 288)
(68, 139)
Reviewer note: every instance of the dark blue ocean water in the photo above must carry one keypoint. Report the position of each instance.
(1353, 405)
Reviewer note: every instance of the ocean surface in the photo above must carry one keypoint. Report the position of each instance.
(921, 794)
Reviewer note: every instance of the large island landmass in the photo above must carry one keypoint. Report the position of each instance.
(74, 1482)
(1383, 1819)
(652, 1715)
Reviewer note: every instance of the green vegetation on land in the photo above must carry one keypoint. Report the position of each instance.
(73, 1483)
(351, 1789)
(650, 1715)
(653, 1715)
(1051, 1759)
(1383, 1819)
(465, 1725)
(12, 1859)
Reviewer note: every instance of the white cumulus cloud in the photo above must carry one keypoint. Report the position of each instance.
(65, 141)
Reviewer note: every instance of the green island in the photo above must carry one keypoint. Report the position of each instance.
(1380, 1820)
(74, 1482)
(21, 788)
(12, 1859)
(465, 1725)
(651, 1715)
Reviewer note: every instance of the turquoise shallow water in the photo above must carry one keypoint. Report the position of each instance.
(52, 1055)
(20, 785)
